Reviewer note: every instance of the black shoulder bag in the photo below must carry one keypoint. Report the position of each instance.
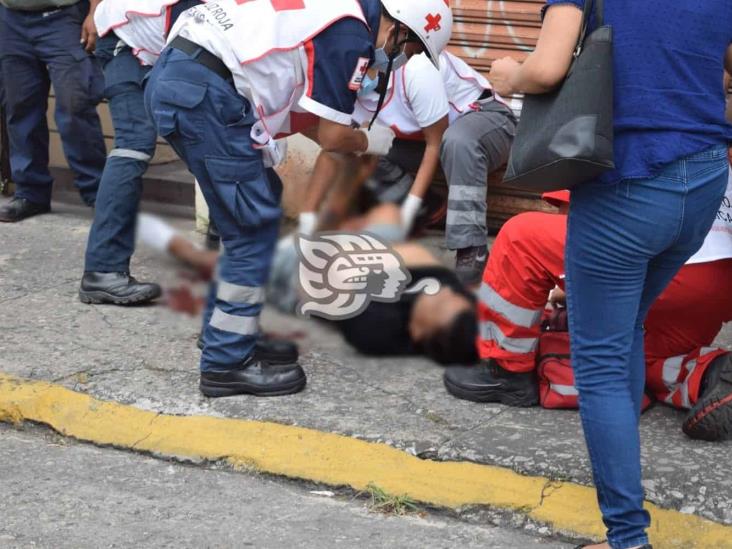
(565, 137)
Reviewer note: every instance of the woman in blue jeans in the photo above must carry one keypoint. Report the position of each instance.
(634, 227)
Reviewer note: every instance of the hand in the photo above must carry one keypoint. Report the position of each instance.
(558, 298)
(380, 139)
(89, 33)
(501, 75)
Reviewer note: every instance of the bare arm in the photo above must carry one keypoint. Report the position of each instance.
(334, 137)
(546, 67)
(728, 60)
(431, 159)
(89, 29)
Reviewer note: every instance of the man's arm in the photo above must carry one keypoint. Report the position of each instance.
(89, 29)
(728, 61)
(431, 159)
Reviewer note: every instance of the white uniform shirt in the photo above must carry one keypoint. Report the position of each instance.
(419, 95)
(718, 243)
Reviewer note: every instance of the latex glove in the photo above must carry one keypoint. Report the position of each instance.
(274, 152)
(154, 232)
(410, 209)
(307, 223)
(380, 139)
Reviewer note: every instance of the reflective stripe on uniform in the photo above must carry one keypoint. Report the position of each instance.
(685, 401)
(467, 192)
(671, 371)
(129, 153)
(491, 332)
(455, 217)
(242, 295)
(520, 316)
(242, 325)
(564, 390)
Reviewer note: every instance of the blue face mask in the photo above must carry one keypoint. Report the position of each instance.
(381, 60)
(368, 85)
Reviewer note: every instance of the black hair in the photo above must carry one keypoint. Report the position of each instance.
(456, 342)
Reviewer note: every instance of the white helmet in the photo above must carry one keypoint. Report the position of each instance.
(430, 20)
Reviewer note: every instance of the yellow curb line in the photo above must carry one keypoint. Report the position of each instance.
(335, 460)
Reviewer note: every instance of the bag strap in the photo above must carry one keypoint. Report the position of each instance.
(586, 13)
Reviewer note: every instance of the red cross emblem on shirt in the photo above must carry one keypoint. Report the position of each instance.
(433, 22)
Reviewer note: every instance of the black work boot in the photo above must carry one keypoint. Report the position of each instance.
(116, 288)
(255, 377)
(19, 209)
(270, 349)
(488, 382)
(470, 264)
(711, 417)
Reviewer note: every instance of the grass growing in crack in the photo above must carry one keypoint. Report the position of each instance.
(383, 502)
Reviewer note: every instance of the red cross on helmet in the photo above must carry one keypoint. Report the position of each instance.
(430, 20)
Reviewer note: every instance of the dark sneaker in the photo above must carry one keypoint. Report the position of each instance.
(19, 209)
(270, 349)
(255, 377)
(488, 382)
(470, 264)
(711, 417)
(116, 289)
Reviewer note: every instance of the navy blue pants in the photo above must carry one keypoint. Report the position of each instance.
(112, 236)
(625, 242)
(208, 124)
(38, 49)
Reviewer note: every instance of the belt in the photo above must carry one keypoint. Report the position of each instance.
(202, 56)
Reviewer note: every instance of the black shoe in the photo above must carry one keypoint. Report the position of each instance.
(711, 417)
(19, 209)
(272, 350)
(488, 382)
(470, 264)
(116, 288)
(255, 377)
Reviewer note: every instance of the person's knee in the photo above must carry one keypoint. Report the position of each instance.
(458, 145)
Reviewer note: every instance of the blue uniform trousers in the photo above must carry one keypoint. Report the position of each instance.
(208, 124)
(38, 49)
(112, 236)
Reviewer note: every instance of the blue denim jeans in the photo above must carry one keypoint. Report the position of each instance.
(37, 49)
(625, 242)
(112, 236)
(208, 124)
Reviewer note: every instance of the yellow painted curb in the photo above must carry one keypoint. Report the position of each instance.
(334, 460)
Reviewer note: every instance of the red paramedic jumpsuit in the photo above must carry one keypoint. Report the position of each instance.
(527, 261)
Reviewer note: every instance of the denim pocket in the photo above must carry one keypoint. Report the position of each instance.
(244, 190)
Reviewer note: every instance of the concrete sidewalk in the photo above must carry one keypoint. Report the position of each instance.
(147, 357)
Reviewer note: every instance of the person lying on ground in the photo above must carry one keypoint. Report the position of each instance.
(441, 326)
